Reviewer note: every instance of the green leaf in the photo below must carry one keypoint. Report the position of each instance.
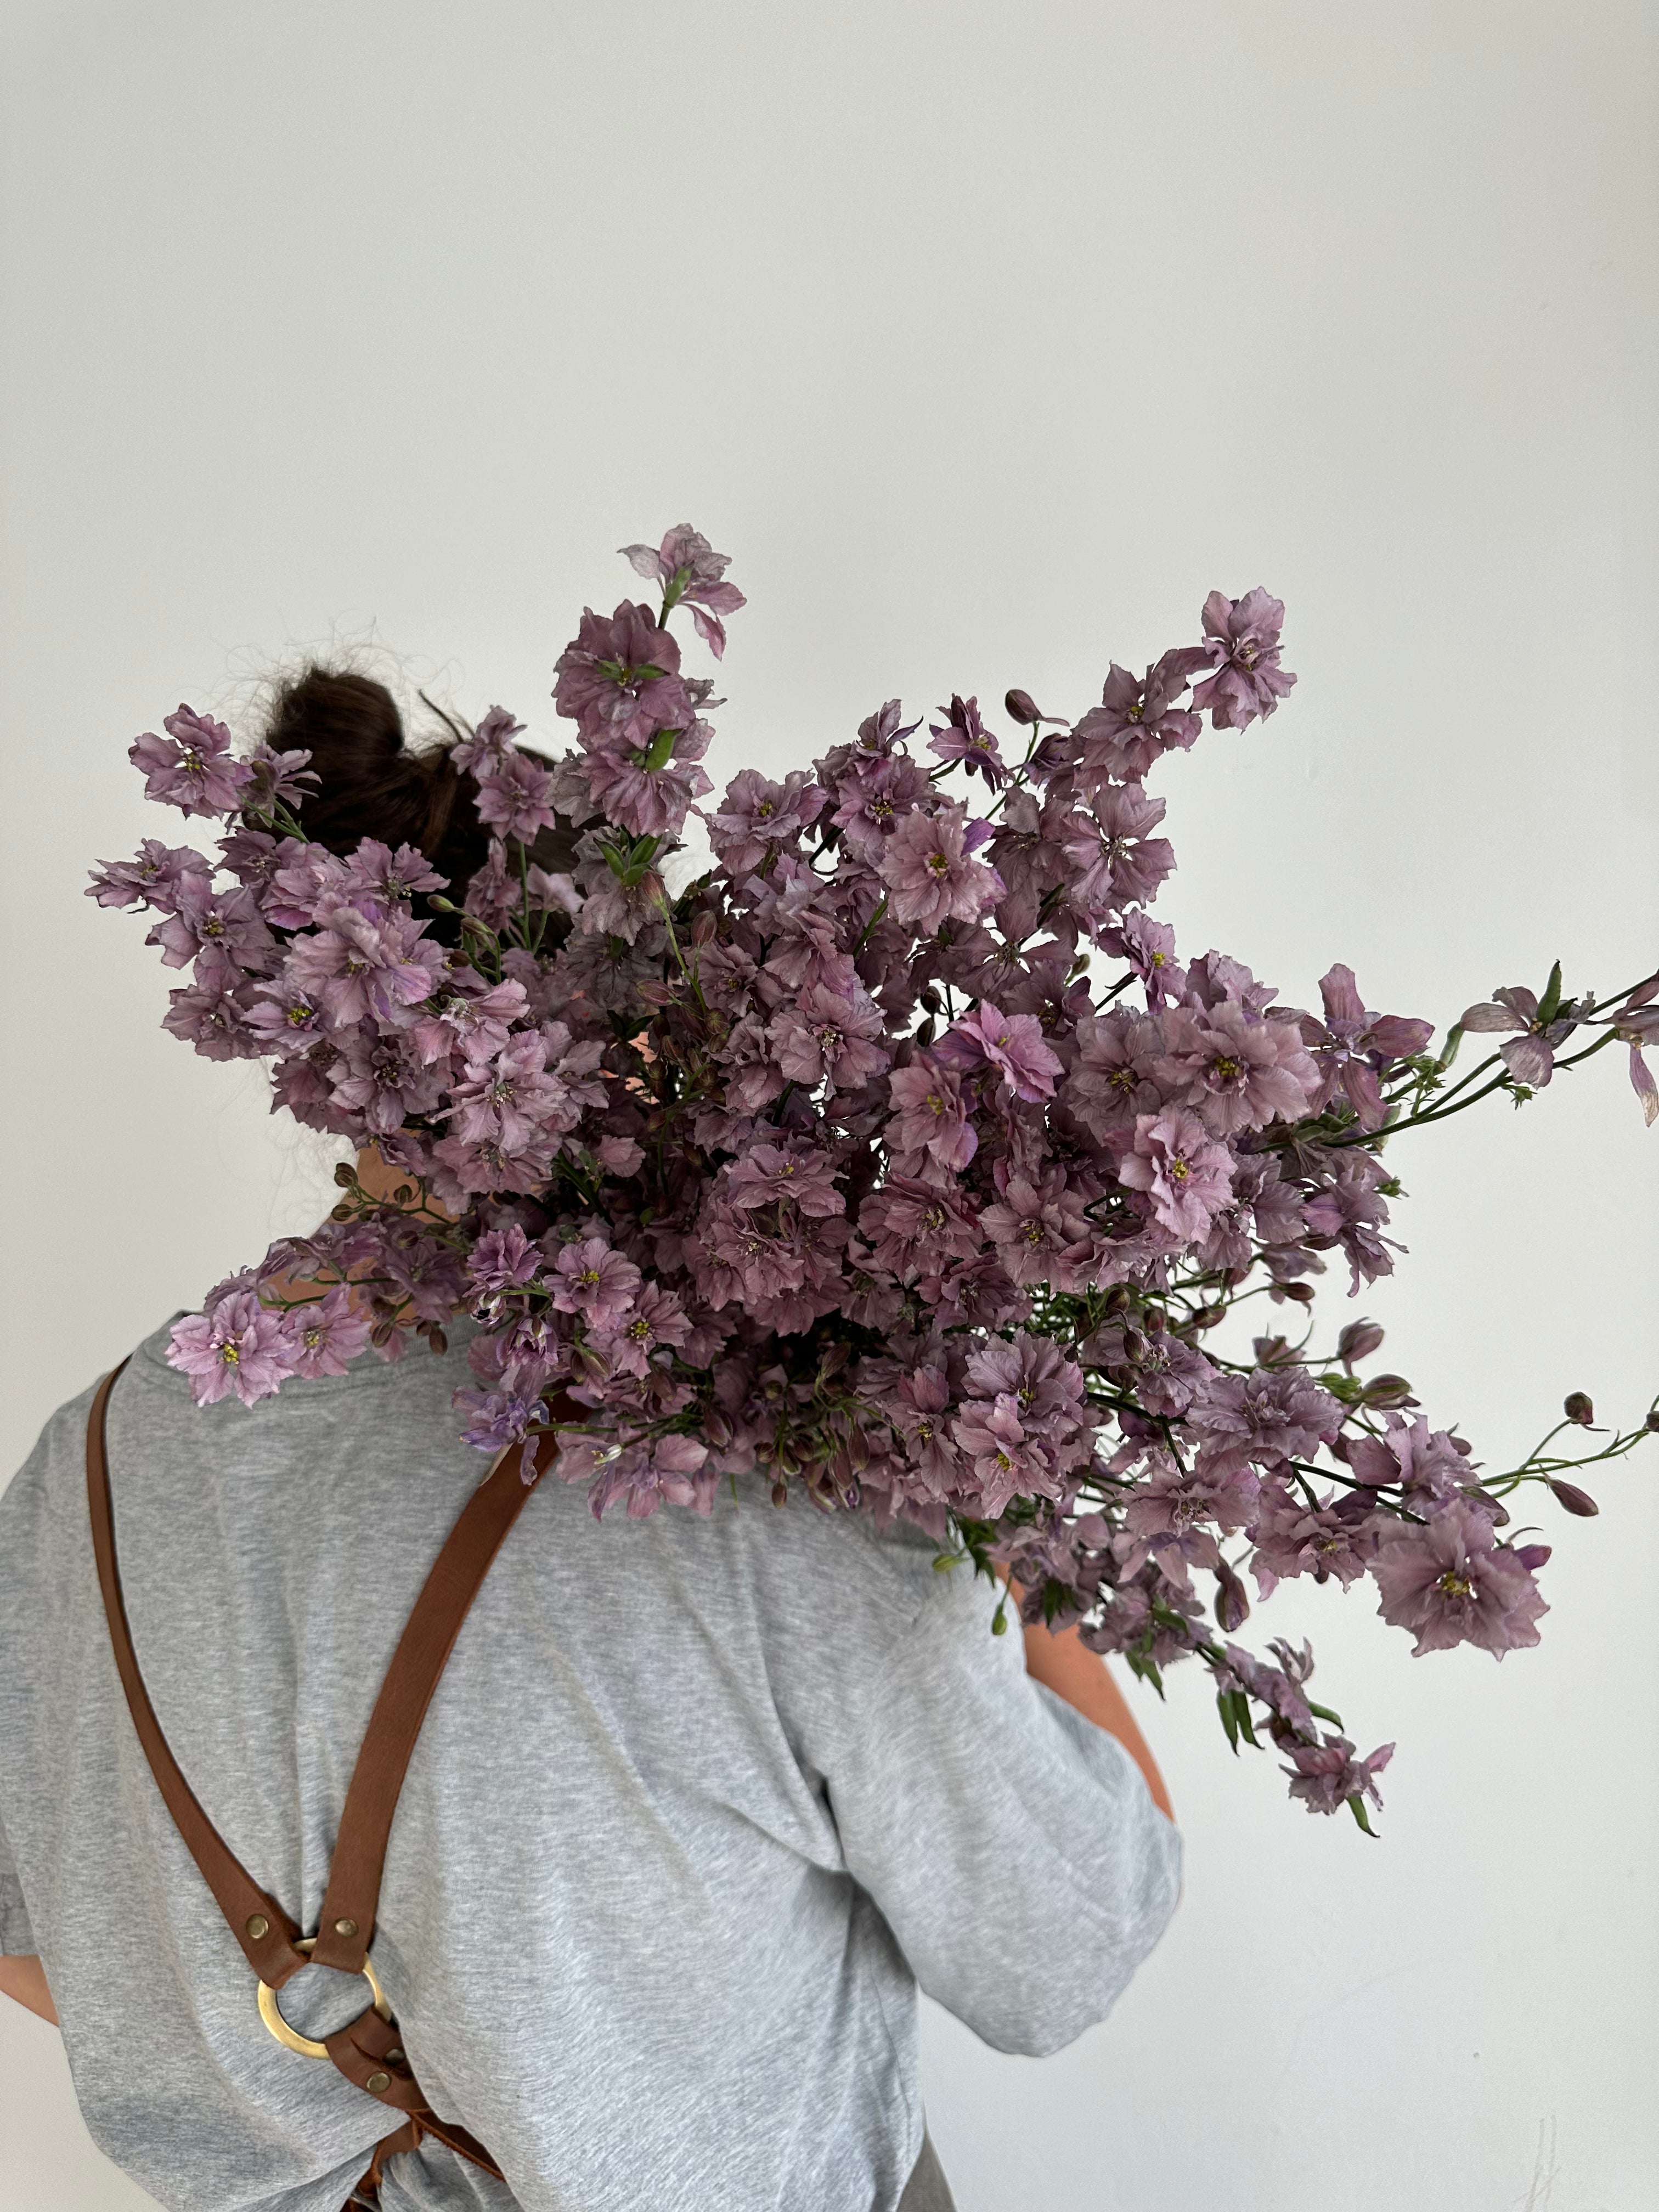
(1223, 1702)
(1550, 1005)
(1325, 1713)
(1357, 1807)
(1246, 1724)
(659, 751)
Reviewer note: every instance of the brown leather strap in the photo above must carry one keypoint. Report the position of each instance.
(246, 1906)
(346, 1928)
(367, 2050)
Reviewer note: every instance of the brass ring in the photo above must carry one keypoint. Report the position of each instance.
(291, 2037)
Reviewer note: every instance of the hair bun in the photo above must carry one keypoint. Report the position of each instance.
(369, 784)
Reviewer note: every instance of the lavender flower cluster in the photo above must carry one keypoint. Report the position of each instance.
(900, 1156)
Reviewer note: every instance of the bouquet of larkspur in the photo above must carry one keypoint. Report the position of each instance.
(899, 1155)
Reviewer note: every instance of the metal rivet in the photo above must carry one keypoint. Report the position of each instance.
(258, 1926)
(394, 2058)
(376, 2082)
(346, 1928)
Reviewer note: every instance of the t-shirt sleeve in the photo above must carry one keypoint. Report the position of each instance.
(16, 1936)
(1012, 1845)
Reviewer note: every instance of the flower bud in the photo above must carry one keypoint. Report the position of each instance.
(345, 1174)
(1023, 708)
(1358, 1341)
(779, 1493)
(1578, 1409)
(1652, 1421)
(1575, 1499)
(703, 929)
(1232, 1606)
(1388, 1390)
(1207, 1316)
(1299, 1294)
(1531, 1556)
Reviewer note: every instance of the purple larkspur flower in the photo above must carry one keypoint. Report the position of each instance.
(514, 796)
(497, 1420)
(1041, 1232)
(239, 1346)
(1234, 1071)
(157, 876)
(1114, 863)
(877, 793)
(375, 872)
(1636, 1023)
(535, 1086)
(1014, 1044)
(328, 1334)
(930, 872)
(1427, 1465)
(649, 788)
(1161, 1372)
(1350, 1045)
(917, 1409)
(381, 1081)
(1450, 1582)
(1047, 1388)
(276, 779)
(1345, 1207)
(930, 1114)
(1138, 720)
(490, 744)
(1004, 1460)
(1334, 1537)
(362, 962)
(1326, 1776)
(1174, 1515)
(825, 1037)
(591, 1279)
(230, 921)
(1242, 637)
(1187, 1176)
(283, 1019)
(756, 815)
(192, 767)
(211, 1012)
(502, 1260)
(1268, 1416)
(1114, 1080)
(466, 1015)
(1530, 1057)
(619, 680)
(964, 737)
(796, 1174)
(656, 1322)
(910, 1223)
(1148, 947)
(687, 567)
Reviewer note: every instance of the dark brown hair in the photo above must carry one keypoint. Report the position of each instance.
(370, 783)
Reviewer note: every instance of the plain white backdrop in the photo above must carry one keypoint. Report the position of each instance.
(987, 340)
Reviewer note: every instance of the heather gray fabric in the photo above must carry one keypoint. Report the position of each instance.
(693, 1803)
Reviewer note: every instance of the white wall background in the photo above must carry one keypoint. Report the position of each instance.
(986, 340)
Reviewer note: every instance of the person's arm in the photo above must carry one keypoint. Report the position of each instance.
(1080, 1677)
(26, 1980)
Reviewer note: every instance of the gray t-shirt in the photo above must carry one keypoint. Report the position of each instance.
(697, 1805)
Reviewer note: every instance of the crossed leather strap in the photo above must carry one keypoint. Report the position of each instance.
(367, 2050)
